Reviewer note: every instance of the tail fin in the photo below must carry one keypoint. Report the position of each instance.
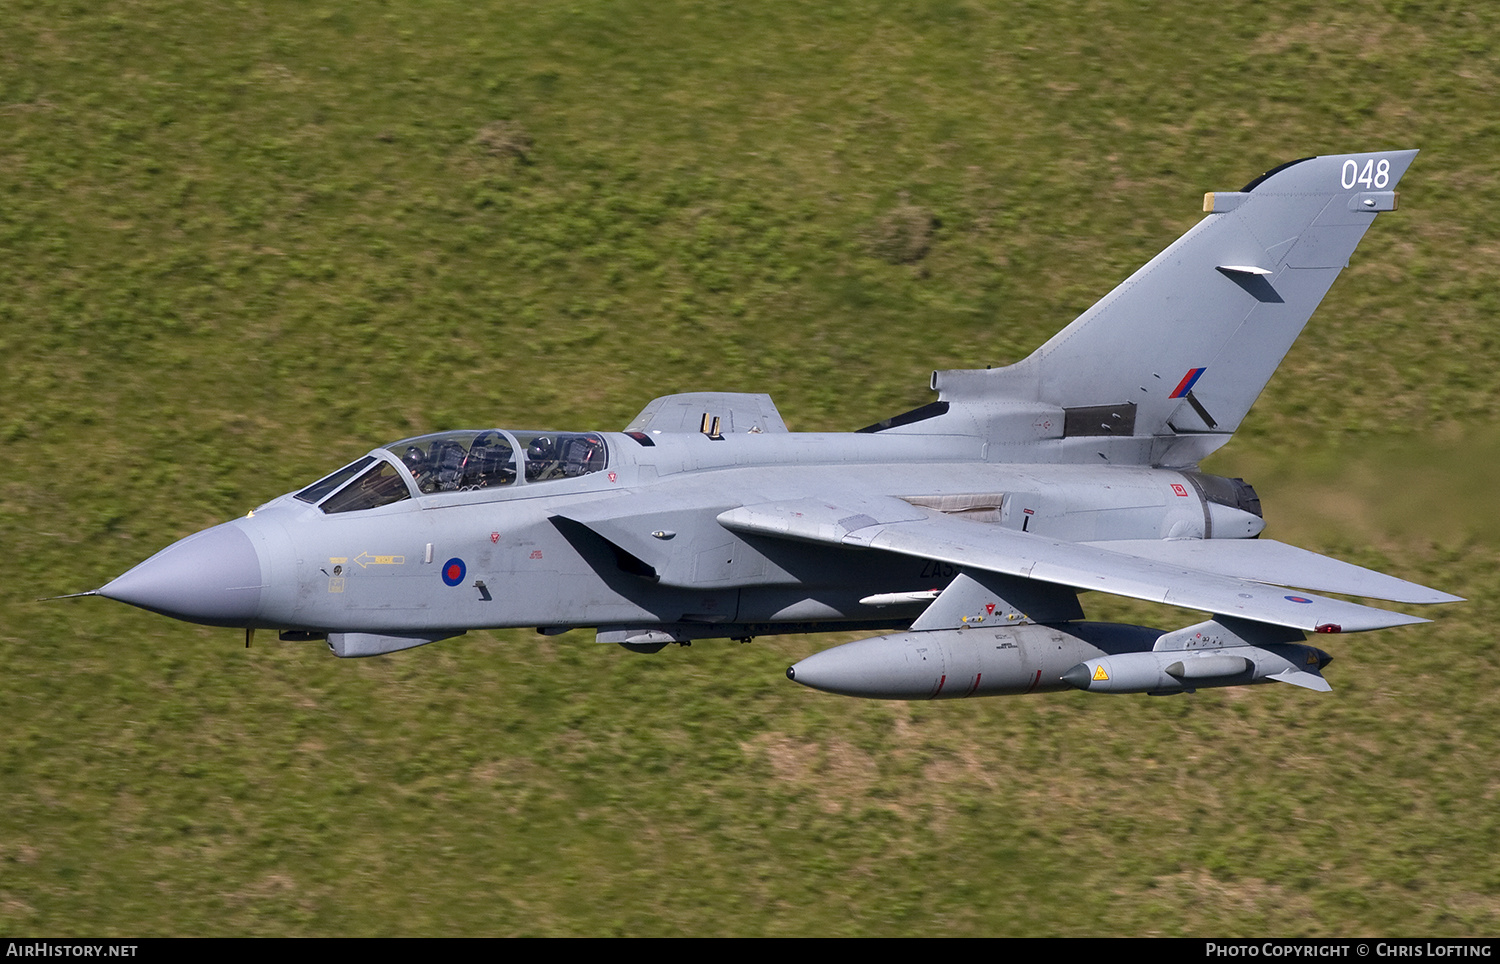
(1179, 351)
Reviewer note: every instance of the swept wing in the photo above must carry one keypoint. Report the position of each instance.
(892, 525)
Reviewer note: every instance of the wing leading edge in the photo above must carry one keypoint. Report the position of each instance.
(892, 525)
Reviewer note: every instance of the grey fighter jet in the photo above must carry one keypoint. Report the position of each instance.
(965, 529)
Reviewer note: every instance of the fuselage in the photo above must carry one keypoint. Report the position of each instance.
(622, 535)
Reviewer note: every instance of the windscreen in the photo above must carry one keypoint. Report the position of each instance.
(381, 485)
(315, 492)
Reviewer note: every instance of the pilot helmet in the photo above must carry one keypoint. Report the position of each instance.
(415, 460)
(541, 448)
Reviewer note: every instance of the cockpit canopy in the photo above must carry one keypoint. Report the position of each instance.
(462, 461)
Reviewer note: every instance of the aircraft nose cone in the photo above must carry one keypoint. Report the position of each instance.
(212, 577)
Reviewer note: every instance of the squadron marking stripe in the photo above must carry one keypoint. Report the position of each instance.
(1188, 381)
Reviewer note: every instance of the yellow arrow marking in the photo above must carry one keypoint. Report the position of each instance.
(366, 560)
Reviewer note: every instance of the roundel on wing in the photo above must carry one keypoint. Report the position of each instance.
(453, 571)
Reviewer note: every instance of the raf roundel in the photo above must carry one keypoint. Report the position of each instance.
(453, 571)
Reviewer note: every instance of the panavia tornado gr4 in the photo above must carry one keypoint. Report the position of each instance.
(964, 529)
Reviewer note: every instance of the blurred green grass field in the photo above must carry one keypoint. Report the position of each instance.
(243, 242)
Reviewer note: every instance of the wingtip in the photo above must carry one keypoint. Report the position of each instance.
(1426, 597)
(1373, 619)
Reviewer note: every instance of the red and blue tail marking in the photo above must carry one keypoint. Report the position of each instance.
(1188, 381)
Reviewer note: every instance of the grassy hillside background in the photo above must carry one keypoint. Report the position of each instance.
(243, 242)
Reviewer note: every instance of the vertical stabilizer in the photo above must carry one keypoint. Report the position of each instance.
(1180, 350)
